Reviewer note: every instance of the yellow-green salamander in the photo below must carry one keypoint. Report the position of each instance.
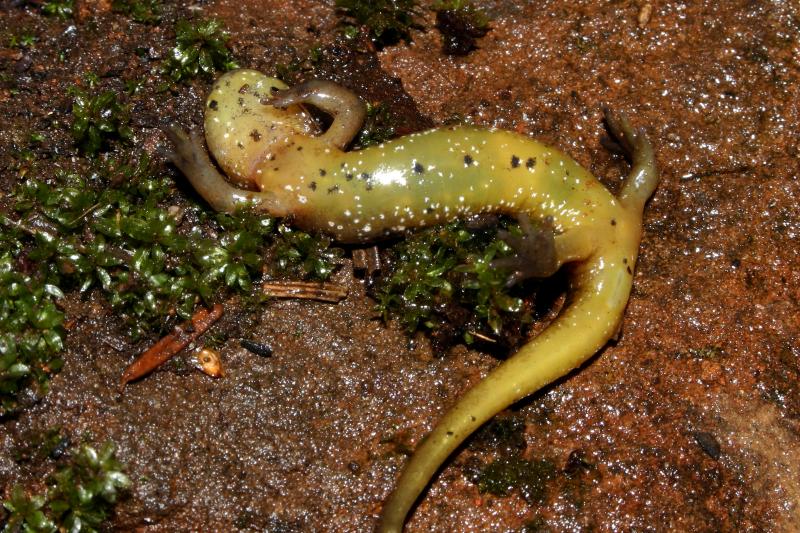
(264, 141)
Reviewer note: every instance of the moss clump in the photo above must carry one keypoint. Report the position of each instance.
(443, 279)
(460, 23)
(385, 21)
(79, 497)
(507, 474)
(200, 49)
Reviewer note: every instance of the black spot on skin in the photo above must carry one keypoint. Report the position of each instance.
(273, 89)
(348, 176)
(299, 148)
(629, 270)
(241, 101)
(364, 176)
(255, 135)
(333, 189)
(322, 172)
(531, 162)
(271, 157)
(240, 145)
(514, 161)
(213, 105)
(449, 433)
(613, 222)
(418, 168)
(468, 160)
(624, 260)
(244, 88)
(313, 185)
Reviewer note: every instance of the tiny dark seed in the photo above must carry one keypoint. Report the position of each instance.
(468, 160)
(613, 222)
(213, 104)
(244, 88)
(514, 161)
(418, 168)
(531, 162)
(257, 348)
(313, 185)
(322, 172)
(348, 176)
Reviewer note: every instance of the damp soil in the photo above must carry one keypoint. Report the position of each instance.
(690, 421)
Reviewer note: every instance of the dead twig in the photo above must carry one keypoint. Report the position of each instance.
(171, 344)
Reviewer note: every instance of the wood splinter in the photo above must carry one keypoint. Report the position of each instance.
(306, 290)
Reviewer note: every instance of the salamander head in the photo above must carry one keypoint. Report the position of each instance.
(242, 132)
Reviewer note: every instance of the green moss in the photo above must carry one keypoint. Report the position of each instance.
(386, 21)
(118, 232)
(200, 49)
(142, 11)
(97, 119)
(79, 496)
(436, 269)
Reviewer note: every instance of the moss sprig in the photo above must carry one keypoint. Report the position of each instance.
(201, 48)
(97, 119)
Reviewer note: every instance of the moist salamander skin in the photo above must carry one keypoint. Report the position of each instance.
(264, 141)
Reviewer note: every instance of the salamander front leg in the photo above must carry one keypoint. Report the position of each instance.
(189, 155)
(346, 108)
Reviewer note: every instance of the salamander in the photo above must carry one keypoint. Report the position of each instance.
(262, 137)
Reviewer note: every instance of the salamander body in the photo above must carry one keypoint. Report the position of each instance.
(264, 141)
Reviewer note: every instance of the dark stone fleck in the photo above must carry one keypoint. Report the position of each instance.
(213, 104)
(531, 162)
(514, 161)
(313, 185)
(708, 443)
(418, 168)
(257, 348)
(468, 160)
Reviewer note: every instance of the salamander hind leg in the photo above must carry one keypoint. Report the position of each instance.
(643, 177)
